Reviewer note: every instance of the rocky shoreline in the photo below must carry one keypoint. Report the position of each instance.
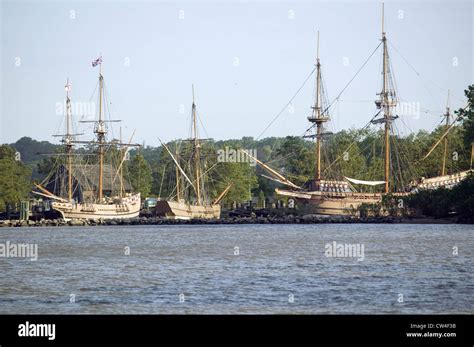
(306, 219)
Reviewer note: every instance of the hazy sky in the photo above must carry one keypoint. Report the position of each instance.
(246, 59)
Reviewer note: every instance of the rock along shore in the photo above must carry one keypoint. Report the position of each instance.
(307, 219)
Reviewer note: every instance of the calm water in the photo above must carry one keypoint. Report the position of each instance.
(275, 263)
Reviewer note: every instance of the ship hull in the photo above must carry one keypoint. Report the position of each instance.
(331, 204)
(128, 208)
(447, 181)
(181, 210)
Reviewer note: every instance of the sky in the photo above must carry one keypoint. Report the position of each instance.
(246, 60)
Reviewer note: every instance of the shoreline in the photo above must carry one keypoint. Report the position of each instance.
(307, 219)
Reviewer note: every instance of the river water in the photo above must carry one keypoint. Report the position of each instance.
(240, 269)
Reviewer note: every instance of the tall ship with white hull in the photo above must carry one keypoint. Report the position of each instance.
(89, 184)
(445, 179)
(191, 199)
(340, 197)
(330, 197)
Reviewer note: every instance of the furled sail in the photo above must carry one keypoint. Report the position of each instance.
(367, 183)
(446, 181)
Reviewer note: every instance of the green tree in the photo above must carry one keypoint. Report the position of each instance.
(298, 157)
(467, 116)
(14, 178)
(32, 150)
(345, 155)
(443, 202)
(261, 199)
(462, 198)
(139, 175)
(243, 179)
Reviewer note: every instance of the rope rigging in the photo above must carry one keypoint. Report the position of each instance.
(287, 104)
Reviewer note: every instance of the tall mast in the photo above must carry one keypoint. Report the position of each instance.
(68, 141)
(387, 104)
(318, 114)
(121, 166)
(447, 116)
(317, 117)
(100, 131)
(197, 157)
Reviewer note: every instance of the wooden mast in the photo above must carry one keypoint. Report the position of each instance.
(386, 108)
(68, 141)
(122, 150)
(317, 117)
(197, 156)
(446, 133)
(100, 131)
(447, 116)
(318, 114)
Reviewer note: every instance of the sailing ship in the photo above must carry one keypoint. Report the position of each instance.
(92, 188)
(192, 200)
(339, 197)
(444, 180)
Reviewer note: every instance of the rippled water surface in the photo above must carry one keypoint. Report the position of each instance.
(275, 264)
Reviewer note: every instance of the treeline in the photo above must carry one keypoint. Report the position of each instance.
(443, 203)
(15, 178)
(353, 153)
